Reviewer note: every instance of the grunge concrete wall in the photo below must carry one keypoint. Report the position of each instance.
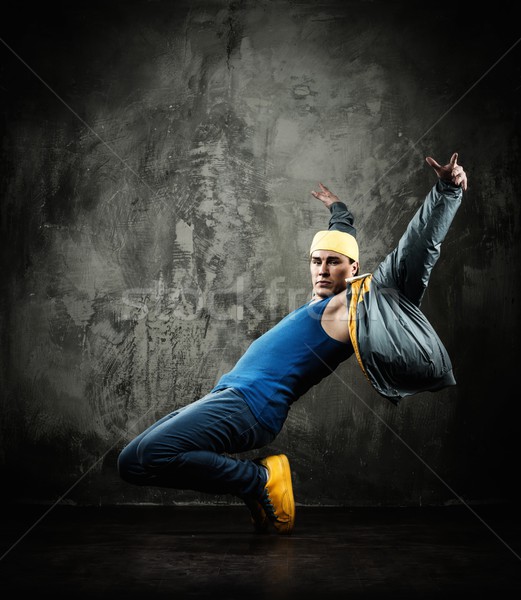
(157, 162)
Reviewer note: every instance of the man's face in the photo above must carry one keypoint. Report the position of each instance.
(329, 271)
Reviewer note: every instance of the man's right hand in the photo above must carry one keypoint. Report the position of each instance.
(325, 196)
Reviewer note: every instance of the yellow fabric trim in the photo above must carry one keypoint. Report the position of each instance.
(337, 241)
(358, 288)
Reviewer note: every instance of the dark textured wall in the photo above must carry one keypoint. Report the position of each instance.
(157, 162)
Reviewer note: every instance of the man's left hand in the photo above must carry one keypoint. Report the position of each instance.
(451, 172)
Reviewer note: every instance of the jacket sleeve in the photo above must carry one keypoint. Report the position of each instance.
(408, 267)
(341, 218)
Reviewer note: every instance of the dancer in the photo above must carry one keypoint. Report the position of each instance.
(375, 316)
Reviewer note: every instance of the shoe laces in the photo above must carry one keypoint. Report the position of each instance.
(267, 505)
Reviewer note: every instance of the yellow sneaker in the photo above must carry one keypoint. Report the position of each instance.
(277, 500)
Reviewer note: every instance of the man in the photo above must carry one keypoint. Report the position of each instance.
(370, 315)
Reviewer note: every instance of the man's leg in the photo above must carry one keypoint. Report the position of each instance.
(188, 448)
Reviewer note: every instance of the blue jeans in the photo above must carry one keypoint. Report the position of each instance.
(188, 448)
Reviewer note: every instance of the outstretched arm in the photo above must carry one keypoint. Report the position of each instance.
(409, 266)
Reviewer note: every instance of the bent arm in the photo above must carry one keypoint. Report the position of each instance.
(341, 218)
(409, 266)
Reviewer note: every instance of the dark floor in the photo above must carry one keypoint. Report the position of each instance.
(211, 552)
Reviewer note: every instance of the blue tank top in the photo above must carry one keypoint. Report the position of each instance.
(284, 363)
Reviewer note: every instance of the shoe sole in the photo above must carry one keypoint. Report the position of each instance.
(259, 519)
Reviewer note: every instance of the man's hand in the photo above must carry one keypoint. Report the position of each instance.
(451, 172)
(325, 196)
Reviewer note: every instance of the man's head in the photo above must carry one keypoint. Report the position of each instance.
(333, 258)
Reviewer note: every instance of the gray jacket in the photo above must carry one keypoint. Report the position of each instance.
(396, 346)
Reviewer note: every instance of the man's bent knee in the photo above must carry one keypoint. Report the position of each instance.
(130, 469)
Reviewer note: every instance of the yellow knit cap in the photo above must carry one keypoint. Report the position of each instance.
(337, 241)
